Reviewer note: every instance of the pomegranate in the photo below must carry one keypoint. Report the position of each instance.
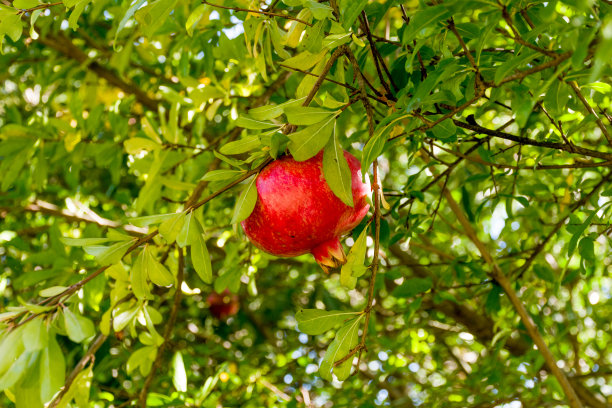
(223, 305)
(296, 211)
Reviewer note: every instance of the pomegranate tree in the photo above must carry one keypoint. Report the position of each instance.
(296, 211)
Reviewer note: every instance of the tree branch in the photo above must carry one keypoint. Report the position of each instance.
(87, 216)
(526, 141)
(497, 274)
(590, 109)
(266, 13)
(89, 356)
(64, 45)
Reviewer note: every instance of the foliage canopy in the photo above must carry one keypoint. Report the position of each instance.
(131, 133)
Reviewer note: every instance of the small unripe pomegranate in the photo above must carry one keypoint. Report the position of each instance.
(223, 305)
(296, 211)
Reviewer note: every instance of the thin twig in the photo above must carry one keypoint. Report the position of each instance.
(39, 7)
(497, 274)
(590, 109)
(266, 13)
(87, 357)
(335, 55)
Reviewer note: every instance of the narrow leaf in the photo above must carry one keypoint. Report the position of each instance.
(346, 339)
(170, 228)
(241, 146)
(200, 258)
(246, 202)
(155, 271)
(250, 123)
(305, 115)
(309, 141)
(179, 379)
(52, 370)
(138, 278)
(317, 321)
(337, 172)
(354, 268)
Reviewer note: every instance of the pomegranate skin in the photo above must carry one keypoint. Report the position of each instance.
(296, 211)
(223, 305)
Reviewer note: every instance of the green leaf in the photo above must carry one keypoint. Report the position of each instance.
(376, 144)
(170, 228)
(313, 37)
(354, 268)
(493, 302)
(83, 241)
(277, 43)
(114, 253)
(52, 370)
(245, 204)
(225, 174)
(335, 40)
(138, 278)
(351, 11)
(305, 115)
(76, 13)
(17, 370)
(154, 270)
(142, 359)
(11, 347)
(52, 291)
(445, 130)
(194, 18)
(241, 146)
(12, 164)
(424, 19)
(578, 231)
(136, 145)
(152, 16)
(309, 141)
(337, 172)
(346, 339)
(544, 273)
(11, 25)
(304, 60)
(250, 123)
(200, 258)
(25, 4)
(35, 335)
(507, 67)
(150, 219)
(317, 321)
(412, 287)
(586, 248)
(78, 327)
(123, 318)
(183, 238)
(319, 10)
(179, 379)
(444, 70)
(79, 389)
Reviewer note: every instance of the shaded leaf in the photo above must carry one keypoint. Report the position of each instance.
(317, 321)
(337, 172)
(245, 202)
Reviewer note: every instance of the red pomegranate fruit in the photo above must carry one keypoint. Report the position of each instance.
(223, 305)
(296, 211)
